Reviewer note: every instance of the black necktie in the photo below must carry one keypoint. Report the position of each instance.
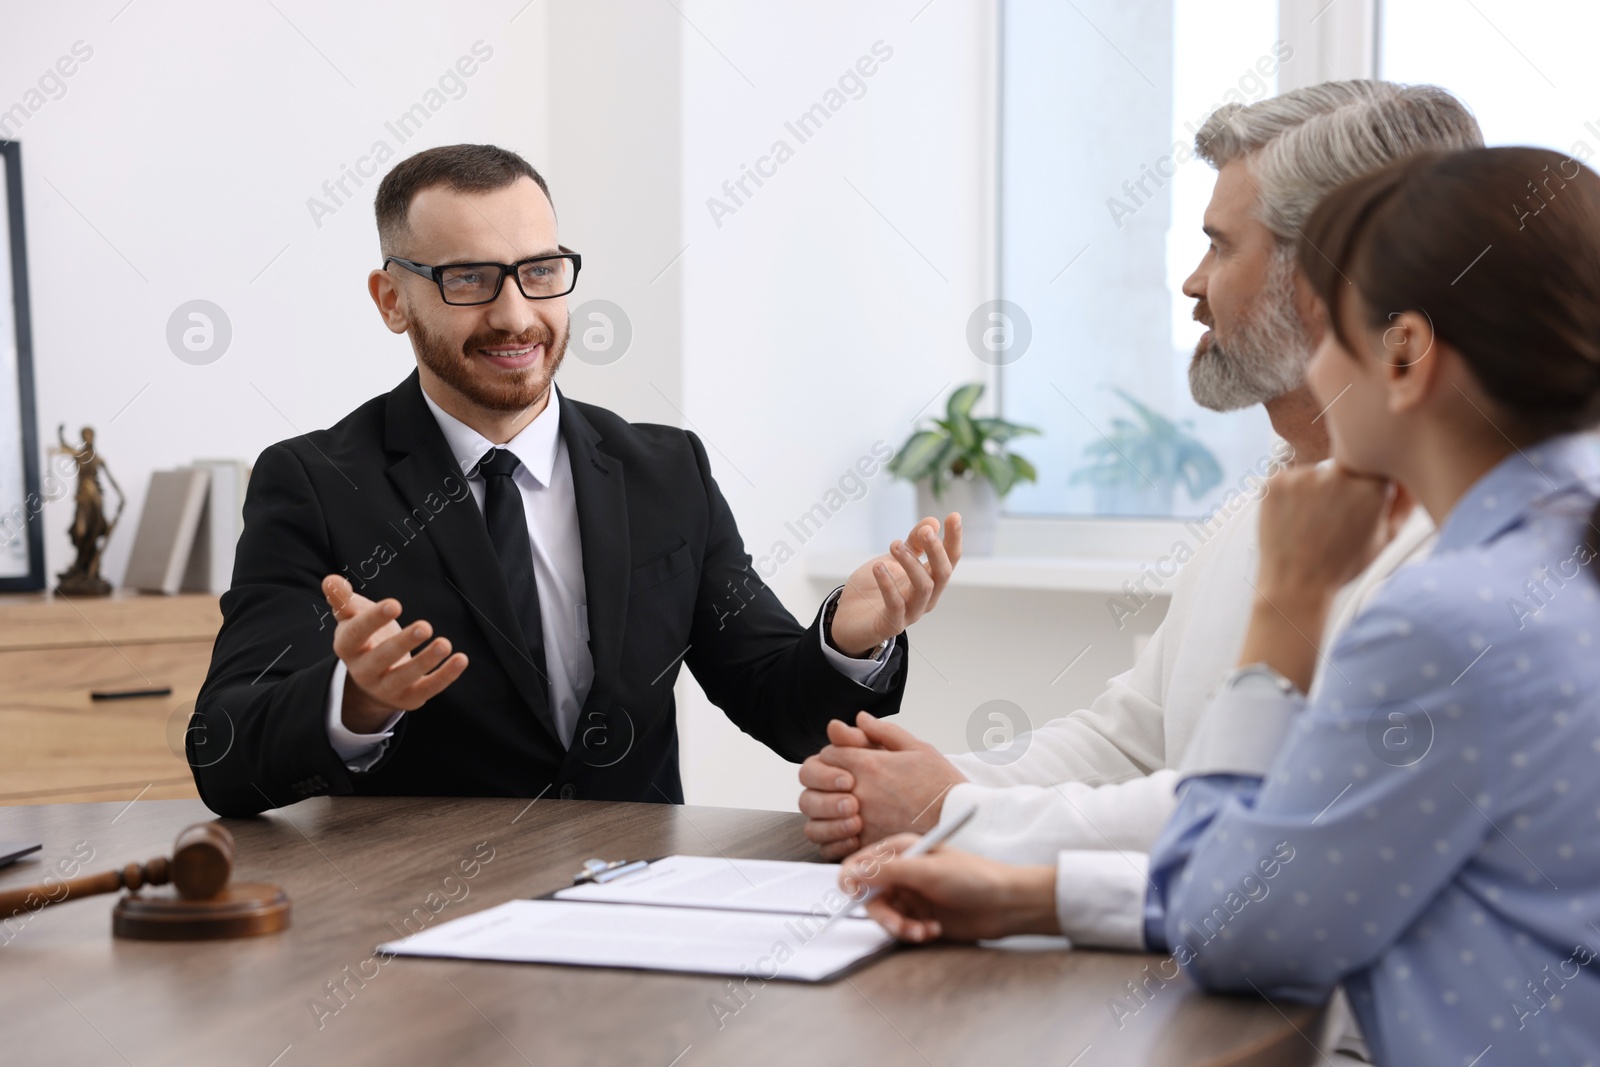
(508, 530)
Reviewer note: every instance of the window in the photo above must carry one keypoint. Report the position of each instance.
(1100, 210)
(1527, 73)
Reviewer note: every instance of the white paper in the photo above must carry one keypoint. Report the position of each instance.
(702, 941)
(732, 885)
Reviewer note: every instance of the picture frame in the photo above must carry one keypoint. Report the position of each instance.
(21, 506)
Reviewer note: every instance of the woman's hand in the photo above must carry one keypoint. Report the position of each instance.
(950, 894)
(1320, 528)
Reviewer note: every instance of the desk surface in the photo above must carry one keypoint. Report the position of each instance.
(356, 867)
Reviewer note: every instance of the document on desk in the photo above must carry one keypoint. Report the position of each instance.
(695, 940)
(700, 914)
(725, 884)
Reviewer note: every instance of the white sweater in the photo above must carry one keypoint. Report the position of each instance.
(1092, 791)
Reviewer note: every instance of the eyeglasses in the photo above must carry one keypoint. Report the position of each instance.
(539, 278)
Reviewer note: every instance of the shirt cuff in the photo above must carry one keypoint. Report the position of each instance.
(1241, 732)
(862, 671)
(1100, 898)
(358, 751)
(958, 800)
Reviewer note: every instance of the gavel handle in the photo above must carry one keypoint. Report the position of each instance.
(32, 898)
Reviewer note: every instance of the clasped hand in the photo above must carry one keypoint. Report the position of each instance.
(873, 780)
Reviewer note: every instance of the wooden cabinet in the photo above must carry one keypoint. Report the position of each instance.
(59, 746)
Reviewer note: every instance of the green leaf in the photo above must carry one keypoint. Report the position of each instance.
(1153, 450)
(1000, 431)
(1199, 469)
(1100, 451)
(1023, 469)
(998, 471)
(941, 471)
(918, 457)
(962, 399)
(962, 432)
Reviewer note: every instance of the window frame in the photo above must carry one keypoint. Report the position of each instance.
(1337, 39)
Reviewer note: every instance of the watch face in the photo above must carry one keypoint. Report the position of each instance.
(1259, 676)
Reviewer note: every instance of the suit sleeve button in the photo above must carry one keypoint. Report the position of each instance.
(569, 791)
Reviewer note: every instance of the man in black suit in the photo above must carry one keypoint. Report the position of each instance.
(558, 563)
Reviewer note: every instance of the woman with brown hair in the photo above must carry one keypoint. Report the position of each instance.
(1426, 831)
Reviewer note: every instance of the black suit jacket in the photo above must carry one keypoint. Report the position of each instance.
(380, 499)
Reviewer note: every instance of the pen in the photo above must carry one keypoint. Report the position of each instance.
(600, 872)
(924, 844)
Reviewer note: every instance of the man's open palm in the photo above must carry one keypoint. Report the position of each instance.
(385, 675)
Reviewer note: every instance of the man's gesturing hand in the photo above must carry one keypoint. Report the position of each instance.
(384, 674)
(888, 593)
(875, 779)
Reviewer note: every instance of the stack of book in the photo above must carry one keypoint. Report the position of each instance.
(187, 532)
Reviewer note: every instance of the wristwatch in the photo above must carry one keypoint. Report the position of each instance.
(1257, 678)
(827, 631)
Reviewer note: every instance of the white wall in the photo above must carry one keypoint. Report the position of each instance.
(178, 165)
(614, 165)
(179, 162)
(817, 322)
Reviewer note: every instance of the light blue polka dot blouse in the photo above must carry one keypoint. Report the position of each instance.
(1428, 835)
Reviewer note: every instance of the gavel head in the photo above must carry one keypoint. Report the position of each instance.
(202, 861)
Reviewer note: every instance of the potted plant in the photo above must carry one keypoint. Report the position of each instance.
(962, 464)
(1136, 467)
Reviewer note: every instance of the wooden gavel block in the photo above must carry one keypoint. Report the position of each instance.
(203, 906)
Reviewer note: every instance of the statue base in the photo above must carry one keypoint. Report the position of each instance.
(70, 584)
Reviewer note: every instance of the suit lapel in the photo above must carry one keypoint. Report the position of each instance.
(422, 466)
(597, 482)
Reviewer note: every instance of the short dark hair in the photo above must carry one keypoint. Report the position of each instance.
(466, 168)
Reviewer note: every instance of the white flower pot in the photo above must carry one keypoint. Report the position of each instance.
(975, 499)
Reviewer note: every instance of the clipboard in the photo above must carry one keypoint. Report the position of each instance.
(719, 883)
(690, 919)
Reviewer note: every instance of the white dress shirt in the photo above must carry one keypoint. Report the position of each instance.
(545, 481)
(1093, 790)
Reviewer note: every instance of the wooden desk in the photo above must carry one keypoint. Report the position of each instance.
(356, 867)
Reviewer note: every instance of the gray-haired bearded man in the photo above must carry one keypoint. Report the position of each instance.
(1091, 791)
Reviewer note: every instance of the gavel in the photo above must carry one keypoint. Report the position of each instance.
(205, 906)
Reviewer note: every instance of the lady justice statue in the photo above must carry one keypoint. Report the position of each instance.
(90, 528)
